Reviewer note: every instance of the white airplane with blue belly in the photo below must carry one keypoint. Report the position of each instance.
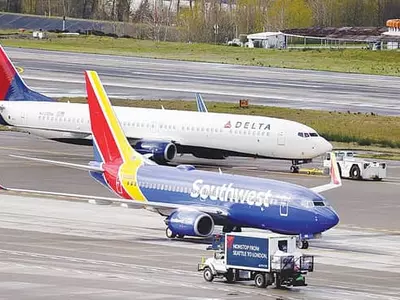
(194, 201)
(161, 133)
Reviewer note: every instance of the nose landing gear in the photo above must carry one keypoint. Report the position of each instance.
(302, 244)
(294, 169)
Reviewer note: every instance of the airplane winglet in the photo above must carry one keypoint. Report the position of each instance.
(336, 181)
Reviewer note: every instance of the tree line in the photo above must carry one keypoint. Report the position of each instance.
(216, 20)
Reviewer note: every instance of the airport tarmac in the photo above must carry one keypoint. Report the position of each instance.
(53, 248)
(61, 74)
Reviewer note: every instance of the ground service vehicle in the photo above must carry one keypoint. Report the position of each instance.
(266, 258)
(356, 168)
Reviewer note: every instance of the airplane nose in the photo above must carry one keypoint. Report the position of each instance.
(326, 146)
(326, 218)
(329, 220)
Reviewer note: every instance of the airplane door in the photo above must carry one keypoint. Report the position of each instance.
(281, 138)
(284, 209)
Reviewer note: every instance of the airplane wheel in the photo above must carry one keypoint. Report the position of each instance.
(303, 244)
(237, 229)
(169, 233)
(294, 169)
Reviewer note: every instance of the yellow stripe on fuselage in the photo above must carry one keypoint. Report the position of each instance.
(132, 160)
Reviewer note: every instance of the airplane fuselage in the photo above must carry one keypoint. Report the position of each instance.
(192, 132)
(250, 202)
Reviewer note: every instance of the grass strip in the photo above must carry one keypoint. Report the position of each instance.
(339, 60)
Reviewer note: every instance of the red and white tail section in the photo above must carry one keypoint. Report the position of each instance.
(12, 86)
(336, 181)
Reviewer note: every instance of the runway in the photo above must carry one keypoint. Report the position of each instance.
(61, 74)
(53, 248)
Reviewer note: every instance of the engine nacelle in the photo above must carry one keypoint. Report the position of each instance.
(162, 151)
(191, 223)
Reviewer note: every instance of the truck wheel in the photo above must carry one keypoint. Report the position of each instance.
(180, 236)
(208, 275)
(230, 276)
(169, 233)
(259, 280)
(355, 172)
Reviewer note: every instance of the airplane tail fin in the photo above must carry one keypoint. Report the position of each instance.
(334, 173)
(201, 105)
(109, 141)
(12, 86)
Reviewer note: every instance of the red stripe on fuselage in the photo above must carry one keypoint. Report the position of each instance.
(100, 128)
(7, 74)
(111, 177)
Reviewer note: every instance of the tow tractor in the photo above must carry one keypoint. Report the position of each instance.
(356, 168)
(266, 258)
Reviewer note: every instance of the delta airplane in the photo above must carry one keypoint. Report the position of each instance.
(161, 133)
(194, 201)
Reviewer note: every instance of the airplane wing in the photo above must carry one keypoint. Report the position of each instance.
(216, 211)
(336, 181)
(94, 168)
(201, 105)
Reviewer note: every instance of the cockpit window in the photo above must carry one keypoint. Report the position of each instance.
(307, 134)
(319, 203)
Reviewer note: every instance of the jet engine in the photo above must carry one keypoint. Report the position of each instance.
(191, 223)
(162, 151)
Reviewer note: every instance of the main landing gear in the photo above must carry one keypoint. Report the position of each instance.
(230, 228)
(172, 235)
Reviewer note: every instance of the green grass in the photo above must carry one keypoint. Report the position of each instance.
(344, 60)
(360, 129)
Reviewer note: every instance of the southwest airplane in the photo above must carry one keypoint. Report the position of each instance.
(157, 132)
(193, 201)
